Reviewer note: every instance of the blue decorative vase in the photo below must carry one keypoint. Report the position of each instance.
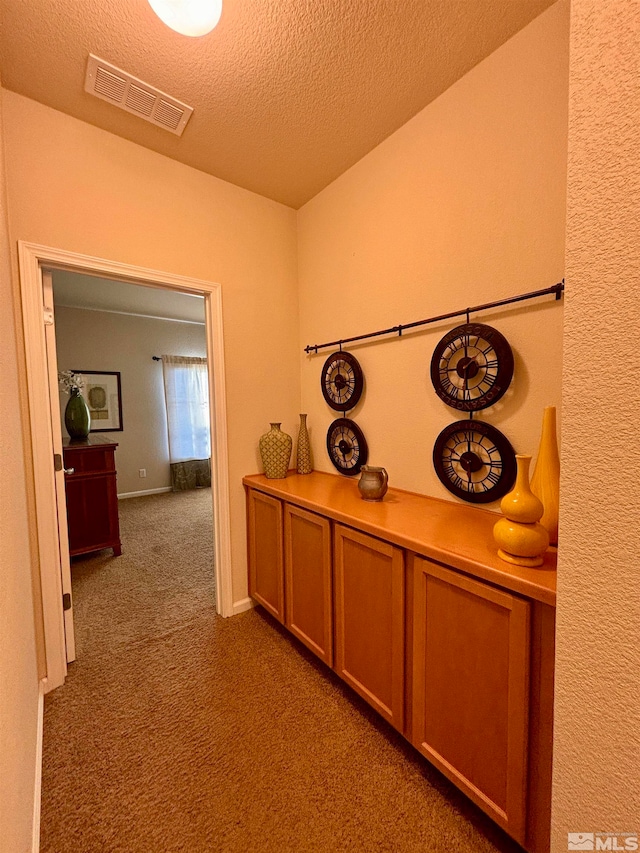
(76, 416)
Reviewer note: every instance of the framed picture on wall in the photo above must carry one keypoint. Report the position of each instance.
(103, 394)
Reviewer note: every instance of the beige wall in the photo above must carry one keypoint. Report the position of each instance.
(597, 727)
(462, 205)
(75, 187)
(98, 340)
(18, 667)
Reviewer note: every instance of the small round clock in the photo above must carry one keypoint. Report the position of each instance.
(341, 381)
(347, 446)
(474, 461)
(471, 367)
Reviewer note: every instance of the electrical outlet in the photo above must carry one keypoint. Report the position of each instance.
(142, 472)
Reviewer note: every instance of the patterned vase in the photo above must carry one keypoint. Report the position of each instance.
(303, 451)
(275, 450)
(76, 416)
(521, 539)
(545, 483)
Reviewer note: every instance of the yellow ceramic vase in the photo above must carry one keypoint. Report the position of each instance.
(520, 538)
(545, 483)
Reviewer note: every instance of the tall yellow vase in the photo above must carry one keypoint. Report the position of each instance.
(545, 483)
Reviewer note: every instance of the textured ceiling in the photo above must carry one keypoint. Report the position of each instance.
(288, 94)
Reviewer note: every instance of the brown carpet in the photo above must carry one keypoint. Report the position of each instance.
(180, 731)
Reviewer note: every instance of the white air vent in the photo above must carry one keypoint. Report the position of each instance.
(116, 86)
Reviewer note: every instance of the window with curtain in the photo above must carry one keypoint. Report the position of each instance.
(186, 389)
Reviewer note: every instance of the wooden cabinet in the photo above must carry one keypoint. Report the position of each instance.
(471, 647)
(369, 611)
(449, 644)
(308, 604)
(91, 494)
(266, 564)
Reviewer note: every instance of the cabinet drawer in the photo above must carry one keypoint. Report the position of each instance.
(92, 512)
(369, 614)
(89, 459)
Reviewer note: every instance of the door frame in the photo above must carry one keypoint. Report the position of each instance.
(33, 258)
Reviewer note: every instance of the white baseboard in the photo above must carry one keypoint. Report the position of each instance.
(242, 605)
(37, 794)
(125, 495)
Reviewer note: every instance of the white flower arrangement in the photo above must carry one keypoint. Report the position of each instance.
(70, 381)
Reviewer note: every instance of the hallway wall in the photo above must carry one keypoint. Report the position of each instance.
(18, 663)
(464, 204)
(78, 188)
(597, 717)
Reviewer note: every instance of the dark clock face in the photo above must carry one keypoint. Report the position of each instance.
(475, 461)
(347, 446)
(341, 381)
(471, 367)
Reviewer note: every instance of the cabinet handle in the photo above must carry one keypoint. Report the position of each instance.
(69, 470)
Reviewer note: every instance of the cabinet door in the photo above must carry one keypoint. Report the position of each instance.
(307, 538)
(470, 688)
(92, 500)
(266, 565)
(92, 521)
(369, 611)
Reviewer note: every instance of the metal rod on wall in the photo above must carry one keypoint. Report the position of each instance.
(156, 358)
(556, 289)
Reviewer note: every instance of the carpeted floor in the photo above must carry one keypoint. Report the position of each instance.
(180, 731)
(162, 581)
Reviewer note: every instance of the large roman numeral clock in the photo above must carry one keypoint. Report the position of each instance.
(471, 368)
(474, 461)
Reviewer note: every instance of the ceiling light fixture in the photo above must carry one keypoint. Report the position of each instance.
(188, 17)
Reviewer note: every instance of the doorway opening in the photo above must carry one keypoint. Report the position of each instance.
(138, 485)
(46, 434)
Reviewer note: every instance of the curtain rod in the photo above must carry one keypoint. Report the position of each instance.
(556, 289)
(159, 358)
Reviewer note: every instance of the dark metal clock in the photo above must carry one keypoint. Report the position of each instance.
(471, 367)
(474, 461)
(347, 446)
(342, 381)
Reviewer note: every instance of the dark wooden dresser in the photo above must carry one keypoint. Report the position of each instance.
(92, 498)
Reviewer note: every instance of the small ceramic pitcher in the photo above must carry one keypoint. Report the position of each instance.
(373, 483)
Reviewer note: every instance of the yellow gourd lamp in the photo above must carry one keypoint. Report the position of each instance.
(521, 539)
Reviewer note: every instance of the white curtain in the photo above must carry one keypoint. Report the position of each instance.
(186, 387)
